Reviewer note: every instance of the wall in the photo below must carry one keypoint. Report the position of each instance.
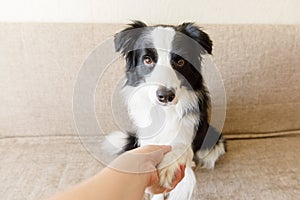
(152, 11)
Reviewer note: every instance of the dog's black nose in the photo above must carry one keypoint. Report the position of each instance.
(165, 95)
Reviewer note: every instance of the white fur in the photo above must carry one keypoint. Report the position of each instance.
(208, 158)
(142, 100)
(176, 125)
(162, 38)
(114, 142)
(140, 105)
(158, 197)
(176, 129)
(180, 155)
(163, 74)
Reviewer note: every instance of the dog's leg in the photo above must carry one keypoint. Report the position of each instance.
(208, 157)
(180, 155)
(208, 146)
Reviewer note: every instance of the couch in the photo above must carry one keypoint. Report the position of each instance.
(41, 152)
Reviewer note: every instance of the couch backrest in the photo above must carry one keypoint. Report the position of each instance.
(259, 64)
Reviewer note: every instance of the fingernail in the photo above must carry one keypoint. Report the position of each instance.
(167, 147)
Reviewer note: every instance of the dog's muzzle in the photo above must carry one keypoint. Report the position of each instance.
(165, 95)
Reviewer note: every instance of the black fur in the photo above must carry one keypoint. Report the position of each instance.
(127, 42)
(135, 68)
(197, 34)
(132, 142)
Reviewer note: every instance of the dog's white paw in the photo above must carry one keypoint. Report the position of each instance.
(167, 174)
(208, 158)
(171, 163)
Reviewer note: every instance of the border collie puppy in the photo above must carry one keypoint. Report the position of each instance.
(167, 99)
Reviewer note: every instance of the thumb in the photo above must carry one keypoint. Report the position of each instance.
(158, 154)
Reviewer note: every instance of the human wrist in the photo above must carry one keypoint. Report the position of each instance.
(133, 182)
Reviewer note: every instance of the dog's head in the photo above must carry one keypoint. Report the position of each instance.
(165, 59)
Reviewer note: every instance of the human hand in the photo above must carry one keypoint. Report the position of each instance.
(129, 175)
(144, 160)
(156, 188)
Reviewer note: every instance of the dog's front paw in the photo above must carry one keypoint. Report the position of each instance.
(167, 174)
(208, 158)
(180, 155)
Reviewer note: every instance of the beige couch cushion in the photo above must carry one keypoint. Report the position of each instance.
(39, 64)
(41, 153)
(36, 167)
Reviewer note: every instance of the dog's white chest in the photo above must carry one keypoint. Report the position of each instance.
(158, 124)
(166, 128)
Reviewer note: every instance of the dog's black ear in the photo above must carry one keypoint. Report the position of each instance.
(124, 40)
(197, 34)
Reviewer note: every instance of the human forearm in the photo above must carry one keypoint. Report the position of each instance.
(109, 184)
(136, 172)
(122, 185)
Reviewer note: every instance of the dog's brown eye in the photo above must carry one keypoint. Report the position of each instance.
(148, 60)
(180, 63)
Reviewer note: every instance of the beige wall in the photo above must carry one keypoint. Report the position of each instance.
(152, 11)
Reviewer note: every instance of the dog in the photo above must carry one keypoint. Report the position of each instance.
(167, 99)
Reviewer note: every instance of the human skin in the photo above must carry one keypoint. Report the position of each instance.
(114, 184)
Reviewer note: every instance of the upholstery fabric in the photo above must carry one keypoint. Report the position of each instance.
(36, 167)
(39, 63)
(42, 154)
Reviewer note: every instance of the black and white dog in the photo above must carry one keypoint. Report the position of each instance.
(164, 84)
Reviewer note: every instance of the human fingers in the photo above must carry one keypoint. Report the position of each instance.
(152, 148)
(153, 153)
(141, 160)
